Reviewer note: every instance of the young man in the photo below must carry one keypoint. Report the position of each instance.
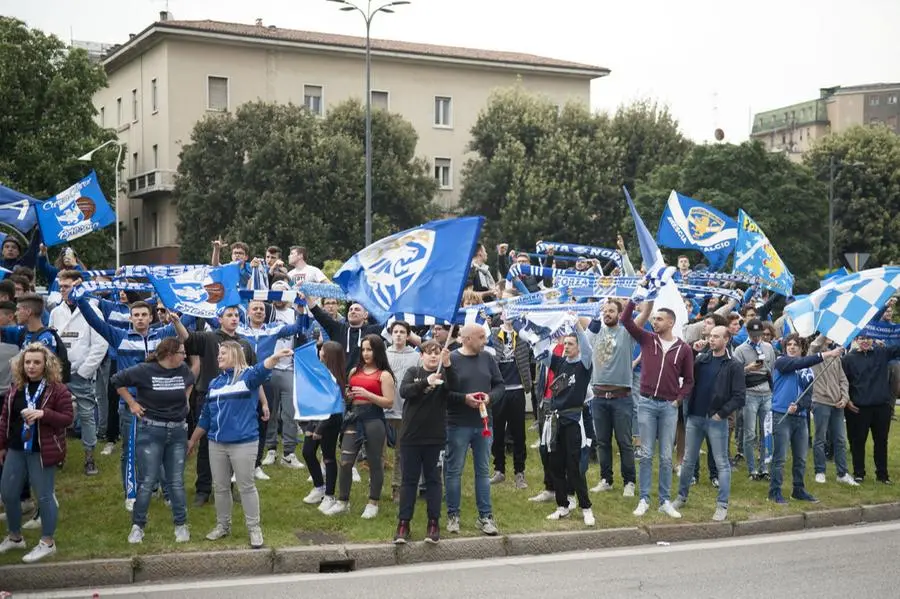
(11, 253)
(240, 255)
(349, 333)
(757, 358)
(719, 391)
(402, 358)
(301, 271)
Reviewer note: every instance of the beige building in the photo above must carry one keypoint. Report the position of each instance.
(794, 129)
(166, 78)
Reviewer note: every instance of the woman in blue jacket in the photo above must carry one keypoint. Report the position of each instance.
(229, 418)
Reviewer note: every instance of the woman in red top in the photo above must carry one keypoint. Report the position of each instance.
(371, 390)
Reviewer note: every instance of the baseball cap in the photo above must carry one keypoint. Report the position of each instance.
(755, 325)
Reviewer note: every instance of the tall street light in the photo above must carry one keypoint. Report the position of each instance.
(87, 158)
(833, 164)
(368, 14)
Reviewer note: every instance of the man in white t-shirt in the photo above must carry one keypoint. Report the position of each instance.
(303, 272)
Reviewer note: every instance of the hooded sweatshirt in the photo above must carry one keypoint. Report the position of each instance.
(829, 379)
(668, 375)
(400, 360)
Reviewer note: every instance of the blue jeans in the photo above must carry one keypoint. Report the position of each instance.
(160, 444)
(829, 421)
(656, 420)
(791, 431)
(42, 478)
(755, 409)
(125, 417)
(86, 401)
(613, 417)
(716, 431)
(459, 439)
(635, 400)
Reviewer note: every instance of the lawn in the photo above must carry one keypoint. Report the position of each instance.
(93, 522)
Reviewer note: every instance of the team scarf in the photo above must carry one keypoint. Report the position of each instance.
(31, 401)
(130, 469)
(288, 296)
(163, 270)
(579, 250)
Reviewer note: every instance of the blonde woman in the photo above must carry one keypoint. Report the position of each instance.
(229, 417)
(33, 422)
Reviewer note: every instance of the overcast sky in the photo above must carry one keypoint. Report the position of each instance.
(712, 61)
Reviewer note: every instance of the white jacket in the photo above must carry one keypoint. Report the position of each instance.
(85, 347)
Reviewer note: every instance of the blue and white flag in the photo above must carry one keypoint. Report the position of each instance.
(316, 392)
(75, 212)
(162, 270)
(754, 255)
(288, 296)
(841, 309)
(692, 225)
(650, 253)
(577, 250)
(259, 277)
(17, 209)
(835, 274)
(421, 270)
(201, 292)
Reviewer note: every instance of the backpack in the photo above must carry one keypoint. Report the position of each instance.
(61, 352)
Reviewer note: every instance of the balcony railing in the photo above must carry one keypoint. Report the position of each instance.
(151, 182)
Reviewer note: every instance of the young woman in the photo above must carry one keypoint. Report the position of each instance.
(229, 417)
(163, 384)
(33, 425)
(324, 434)
(371, 391)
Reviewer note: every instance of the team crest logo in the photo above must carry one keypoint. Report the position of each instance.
(703, 224)
(394, 264)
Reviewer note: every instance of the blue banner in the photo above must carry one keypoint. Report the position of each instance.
(691, 225)
(17, 209)
(421, 270)
(200, 292)
(577, 250)
(75, 212)
(316, 392)
(755, 256)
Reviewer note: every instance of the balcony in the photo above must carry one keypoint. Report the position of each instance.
(152, 182)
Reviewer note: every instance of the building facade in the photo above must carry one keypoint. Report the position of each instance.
(172, 74)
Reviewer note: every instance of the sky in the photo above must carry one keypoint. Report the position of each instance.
(713, 62)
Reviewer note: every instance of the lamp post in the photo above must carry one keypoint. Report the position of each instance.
(833, 164)
(87, 158)
(368, 14)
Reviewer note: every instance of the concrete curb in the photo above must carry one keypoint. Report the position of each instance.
(326, 558)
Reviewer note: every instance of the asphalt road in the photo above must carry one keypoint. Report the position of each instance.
(848, 563)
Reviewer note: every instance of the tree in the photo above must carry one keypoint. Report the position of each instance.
(866, 191)
(277, 174)
(47, 121)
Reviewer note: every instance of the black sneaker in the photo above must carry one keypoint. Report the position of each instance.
(737, 459)
(715, 483)
(433, 533)
(201, 499)
(859, 479)
(402, 534)
(90, 468)
(885, 481)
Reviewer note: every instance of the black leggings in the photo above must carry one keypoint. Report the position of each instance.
(328, 443)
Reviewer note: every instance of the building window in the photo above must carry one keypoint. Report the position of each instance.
(134, 163)
(154, 97)
(134, 106)
(154, 229)
(118, 111)
(135, 235)
(874, 121)
(217, 94)
(442, 173)
(891, 122)
(442, 111)
(380, 100)
(103, 116)
(892, 99)
(155, 156)
(874, 101)
(312, 98)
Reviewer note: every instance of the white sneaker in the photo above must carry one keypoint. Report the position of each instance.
(339, 507)
(292, 461)
(588, 515)
(256, 537)
(820, 478)
(233, 478)
(315, 496)
(543, 497)
(628, 491)
(356, 477)
(108, 449)
(561, 512)
(720, 515)
(327, 504)
(129, 505)
(8, 545)
(678, 470)
(536, 444)
(33, 524)
(847, 479)
(370, 512)
(270, 458)
(572, 503)
(41, 551)
(136, 535)
(669, 510)
(259, 474)
(602, 486)
(641, 508)
(219, 532)
(182, 534)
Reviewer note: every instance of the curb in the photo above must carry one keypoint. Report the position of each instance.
(337, 558)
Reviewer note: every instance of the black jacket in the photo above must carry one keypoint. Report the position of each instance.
(729, 391)
(424, 409)
(867, 373)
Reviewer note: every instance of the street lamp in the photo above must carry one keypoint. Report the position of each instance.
(368, 14)
(833, 164)
(87, 158)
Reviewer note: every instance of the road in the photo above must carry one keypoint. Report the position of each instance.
(856, 562)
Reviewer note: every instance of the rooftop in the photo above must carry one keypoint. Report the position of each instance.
(795, 115)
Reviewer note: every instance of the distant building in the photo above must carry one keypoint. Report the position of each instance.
(97, 51)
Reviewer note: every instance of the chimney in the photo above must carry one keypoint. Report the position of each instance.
(259, 22)
(131, 36)
(164, 15)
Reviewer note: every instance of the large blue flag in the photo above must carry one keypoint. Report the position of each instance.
(692, 225)
(316, 392)
(17, 209)
(79, 210)
(200, 292)
(650, 253)
(755, 255)
(421, 270)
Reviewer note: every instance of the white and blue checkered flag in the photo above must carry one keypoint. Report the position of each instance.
(844, 306)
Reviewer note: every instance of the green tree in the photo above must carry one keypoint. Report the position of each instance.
(277, 174)
(47, 121)
(866, 191)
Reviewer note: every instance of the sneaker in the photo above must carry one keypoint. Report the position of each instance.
(108, 449)
(34, 523)
(679, 503)
(498, 478)
(327, 503)
(129, 505)
(720, 515)
(136, 535)
(885, 481)
(536, 444)
(777, 497)
(270, 458)
(543, 497)
(339, 507)
(370, 512)
(256, 537)
(453, 524)
(487, 526)
(90, 469)
(669, 510)
(588, 516)
(433, 532)
(559, 514)
(521, 483)
(714, 482)
(602, 486)
(315, 496)
(694, 481)
(847, 480)
(41, 551)
(678, 470)
(259, 474)
(292, 461)
(738, 458)
(572, 502)
(219, 532)
(356, 477)
(642, 507)
(9, 544)
(765, 476)
(820, 478)
(28, 505)
(182, 534)
(803, 495)
(628, 491)
(201, 499)
(755, 476)
(859, 479)
(402, 535)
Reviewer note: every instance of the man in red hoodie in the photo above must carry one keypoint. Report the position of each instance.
(667, 377)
